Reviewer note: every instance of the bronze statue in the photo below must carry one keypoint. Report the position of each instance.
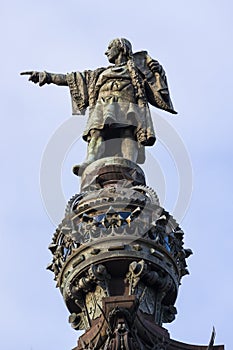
(119, 122)
(118, 256)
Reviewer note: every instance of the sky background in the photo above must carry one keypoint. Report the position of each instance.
(193, 41)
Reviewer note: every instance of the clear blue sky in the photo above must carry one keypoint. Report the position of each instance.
(193, 41)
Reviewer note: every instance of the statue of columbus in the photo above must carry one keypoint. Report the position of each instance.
(118, 98)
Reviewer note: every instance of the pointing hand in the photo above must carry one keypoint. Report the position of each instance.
(36, 77)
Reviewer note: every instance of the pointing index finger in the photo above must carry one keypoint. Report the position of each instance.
(27, 72)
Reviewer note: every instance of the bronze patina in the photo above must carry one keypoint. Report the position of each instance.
(118, 98)
(118, 255)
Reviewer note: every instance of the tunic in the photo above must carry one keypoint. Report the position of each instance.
(110, 95)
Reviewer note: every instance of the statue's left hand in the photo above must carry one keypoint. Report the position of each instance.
(155, 66)
(36, 77)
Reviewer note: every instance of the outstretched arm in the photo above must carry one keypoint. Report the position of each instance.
(46, 78)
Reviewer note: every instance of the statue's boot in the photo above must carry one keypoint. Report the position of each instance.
(95, 151)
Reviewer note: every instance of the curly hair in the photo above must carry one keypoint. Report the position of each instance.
(136, 78)
(124, 45)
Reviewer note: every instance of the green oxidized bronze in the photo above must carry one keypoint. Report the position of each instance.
(118, 256)
(118, 98)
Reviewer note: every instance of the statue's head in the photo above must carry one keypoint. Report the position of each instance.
(119, 47)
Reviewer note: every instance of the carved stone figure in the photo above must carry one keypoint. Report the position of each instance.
(119, 120)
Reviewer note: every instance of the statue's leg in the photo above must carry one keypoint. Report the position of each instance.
(129, 146)
(96, 146)
(95, 150)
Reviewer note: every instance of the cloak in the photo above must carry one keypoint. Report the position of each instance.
(83, 94)
(84, 89)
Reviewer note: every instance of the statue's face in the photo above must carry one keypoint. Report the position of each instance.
(113, 51)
